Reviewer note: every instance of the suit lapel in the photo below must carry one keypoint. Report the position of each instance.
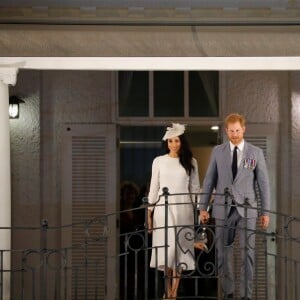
(244, 154)
(227, 159)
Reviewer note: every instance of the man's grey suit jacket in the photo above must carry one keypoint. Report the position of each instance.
(219, 176)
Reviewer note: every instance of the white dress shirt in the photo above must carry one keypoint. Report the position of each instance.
(239, 151)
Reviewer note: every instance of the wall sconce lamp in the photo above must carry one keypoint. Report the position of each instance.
(14, 107)
(215, 128)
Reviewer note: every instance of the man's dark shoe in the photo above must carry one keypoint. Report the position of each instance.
(244, 298)
(228, 296)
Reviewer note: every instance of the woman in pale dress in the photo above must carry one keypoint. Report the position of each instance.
(178, 171)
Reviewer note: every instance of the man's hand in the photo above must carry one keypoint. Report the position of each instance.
(264, 222)
(204, 216)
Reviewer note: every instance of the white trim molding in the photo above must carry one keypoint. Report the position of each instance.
(9, 65)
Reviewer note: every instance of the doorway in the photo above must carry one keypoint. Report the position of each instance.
(139, 145)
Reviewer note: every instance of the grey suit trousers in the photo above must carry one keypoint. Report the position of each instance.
(226, 231)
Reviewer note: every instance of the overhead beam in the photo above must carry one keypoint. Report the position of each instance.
(153, 63)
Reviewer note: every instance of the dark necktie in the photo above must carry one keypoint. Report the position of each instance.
(234, 162)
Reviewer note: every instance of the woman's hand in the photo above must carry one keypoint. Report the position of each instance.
(204, 216)
(150, 222)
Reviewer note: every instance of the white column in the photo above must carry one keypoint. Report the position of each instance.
(7, 76)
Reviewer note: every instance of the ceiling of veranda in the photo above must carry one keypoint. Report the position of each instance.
(170, 12)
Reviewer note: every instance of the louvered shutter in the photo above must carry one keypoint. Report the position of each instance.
(89, 185)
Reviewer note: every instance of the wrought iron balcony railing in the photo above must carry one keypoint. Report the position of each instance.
(105, 261)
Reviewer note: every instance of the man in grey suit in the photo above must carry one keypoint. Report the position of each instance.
(237, 166)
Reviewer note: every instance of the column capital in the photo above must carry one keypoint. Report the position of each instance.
(8, 75)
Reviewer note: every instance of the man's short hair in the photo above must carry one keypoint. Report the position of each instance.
(235, 117)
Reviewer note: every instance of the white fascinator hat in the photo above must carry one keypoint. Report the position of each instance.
(175, 130)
